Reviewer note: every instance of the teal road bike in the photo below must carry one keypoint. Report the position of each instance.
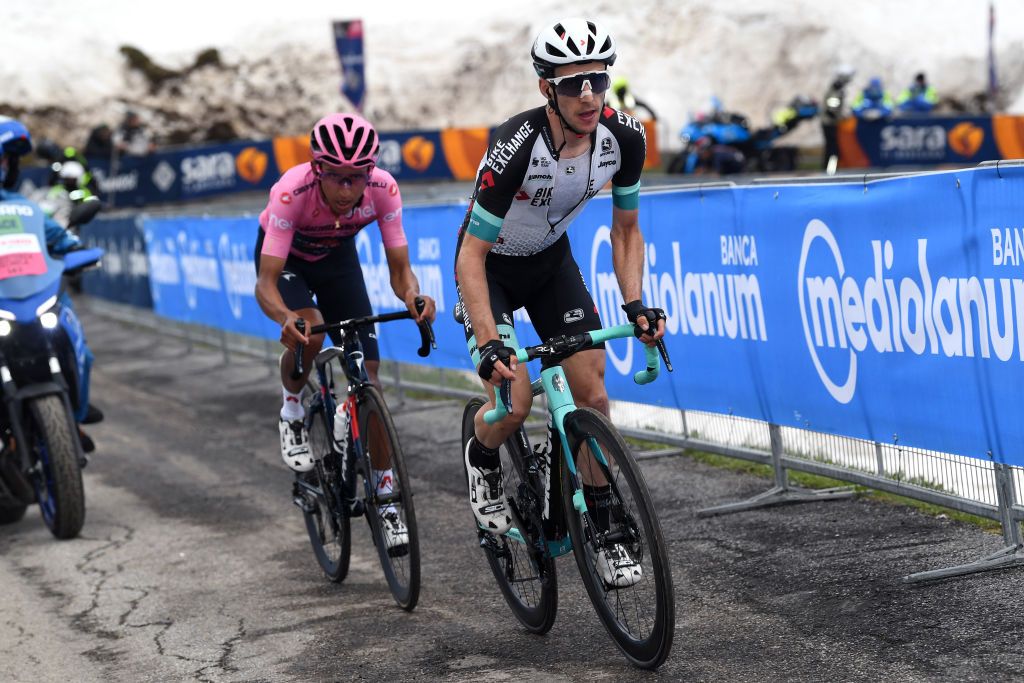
(553, 514)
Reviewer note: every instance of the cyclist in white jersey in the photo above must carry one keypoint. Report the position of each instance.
(541, 168)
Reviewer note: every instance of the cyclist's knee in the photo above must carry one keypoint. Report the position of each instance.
(594, 397)
(316, 342)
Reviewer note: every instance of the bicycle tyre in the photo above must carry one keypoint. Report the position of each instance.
(626, 612)
(401, 565)
(327, 523)
(58, 485)
(531, 591)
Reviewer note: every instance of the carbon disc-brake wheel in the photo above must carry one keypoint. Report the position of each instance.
(637, 609)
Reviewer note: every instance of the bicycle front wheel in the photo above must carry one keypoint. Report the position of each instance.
(389, 507)
(327, 521)
(633, 595)
(527, 580)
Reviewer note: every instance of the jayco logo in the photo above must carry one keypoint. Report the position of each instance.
(954, 316)
(720, 304)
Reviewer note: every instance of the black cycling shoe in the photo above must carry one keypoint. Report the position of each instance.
(88, 446)
(93, 415)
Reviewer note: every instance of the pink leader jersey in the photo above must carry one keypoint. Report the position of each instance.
(298, 221)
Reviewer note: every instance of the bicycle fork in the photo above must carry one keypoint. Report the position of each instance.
(561, 403)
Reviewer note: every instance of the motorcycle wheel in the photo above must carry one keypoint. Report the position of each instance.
(58, 475)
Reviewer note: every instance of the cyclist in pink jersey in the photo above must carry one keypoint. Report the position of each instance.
(306, 247)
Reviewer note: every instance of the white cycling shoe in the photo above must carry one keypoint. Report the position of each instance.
(396, 534)
(617, 568)
(295, 445)
(487, 497)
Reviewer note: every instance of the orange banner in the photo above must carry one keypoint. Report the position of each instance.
(653, 155)
(292, 151)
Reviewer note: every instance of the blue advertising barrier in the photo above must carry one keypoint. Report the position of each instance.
(890, 311)
(124, 274)
(201, 271)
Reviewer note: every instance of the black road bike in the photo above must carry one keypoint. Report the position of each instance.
(351, 438)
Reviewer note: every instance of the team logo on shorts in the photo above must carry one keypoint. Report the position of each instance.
(573, 316)
(504, 316)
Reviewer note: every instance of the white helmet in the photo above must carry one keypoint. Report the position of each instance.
(71, 170)
(571, 41)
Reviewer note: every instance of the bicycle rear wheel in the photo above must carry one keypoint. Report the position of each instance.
(399, 552)
(641, 617)
(527, 580)
(327, 521)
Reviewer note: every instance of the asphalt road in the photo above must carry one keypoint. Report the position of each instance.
(194, 565)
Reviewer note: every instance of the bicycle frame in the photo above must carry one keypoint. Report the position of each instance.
(351, 352)
(555, 386)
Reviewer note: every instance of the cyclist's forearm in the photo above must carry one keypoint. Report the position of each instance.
(475, 296)
(405, 285)
(403, 280)
(628, 258)
(270, 301)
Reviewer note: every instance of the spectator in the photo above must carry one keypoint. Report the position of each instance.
(132, 138)
(919, 97)
(834, 111)
(66, 189)
(622, 98)
(100, 144)
(873, 102)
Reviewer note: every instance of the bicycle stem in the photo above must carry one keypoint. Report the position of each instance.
(653, 353)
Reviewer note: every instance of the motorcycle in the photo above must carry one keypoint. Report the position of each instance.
(41, 455)
(730, 129)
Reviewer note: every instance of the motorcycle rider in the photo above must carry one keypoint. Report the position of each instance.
(16, 142)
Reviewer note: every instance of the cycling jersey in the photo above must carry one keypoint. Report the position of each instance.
(298, 221)
(521, 174)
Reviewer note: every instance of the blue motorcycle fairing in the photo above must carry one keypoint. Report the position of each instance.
(82, 257)
(24, 310)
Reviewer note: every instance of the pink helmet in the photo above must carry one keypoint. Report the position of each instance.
(344, 140)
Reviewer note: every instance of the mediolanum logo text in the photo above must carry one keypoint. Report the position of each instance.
(845, 314)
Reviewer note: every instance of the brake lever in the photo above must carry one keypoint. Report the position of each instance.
(505, 394)
(300, 325)
(426, 330)
(664, 354)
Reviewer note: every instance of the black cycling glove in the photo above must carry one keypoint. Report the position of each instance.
(634, 309)
(490, 353)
